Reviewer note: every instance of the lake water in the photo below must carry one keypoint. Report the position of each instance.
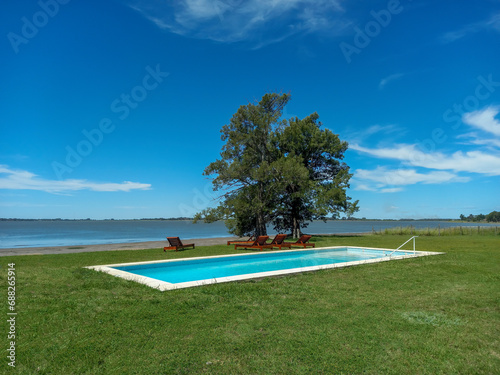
(16, 234)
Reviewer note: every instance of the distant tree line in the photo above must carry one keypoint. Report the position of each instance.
(492, 217)
(88, 219)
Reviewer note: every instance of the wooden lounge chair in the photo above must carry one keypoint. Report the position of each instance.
(301, 242)
(278, 241)
(176, 244)
(250, 240)
(259, 243)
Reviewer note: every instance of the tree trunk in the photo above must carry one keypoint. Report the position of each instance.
(261, 229)
(296, 232)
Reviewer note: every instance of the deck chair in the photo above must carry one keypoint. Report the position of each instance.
(176, 244)
(301, 242)
(278, 241)
(259, 243)
(250, 240)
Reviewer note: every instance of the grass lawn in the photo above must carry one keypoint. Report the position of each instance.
(430, 315)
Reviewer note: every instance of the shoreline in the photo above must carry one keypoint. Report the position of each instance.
(45, 250)
(107, 247)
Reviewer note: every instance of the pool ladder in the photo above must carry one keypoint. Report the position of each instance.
(413, 238)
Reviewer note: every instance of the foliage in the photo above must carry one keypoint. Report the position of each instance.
(492, 217)
(247, 170)
(321, 189)
(287, 172)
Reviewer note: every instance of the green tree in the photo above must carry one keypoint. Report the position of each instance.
(493, 216)
(321, 189)
(479, 217)
(287, 172)
(246, 170)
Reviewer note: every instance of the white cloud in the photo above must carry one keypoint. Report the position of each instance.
(388, 79)
(491, 23)
(363, 187)
(400, 177)
(400, 152)
(421, 167)
(391, 190)
(21, 204)
(484, 119)
(387, 132)
(486, 128)
(261, 21)
(24, 180)
(471, 161)
(477, 140)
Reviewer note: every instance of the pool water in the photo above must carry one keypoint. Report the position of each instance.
(210, 268)
(190, 272)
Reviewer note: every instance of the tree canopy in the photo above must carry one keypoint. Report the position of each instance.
(281, 171)
(492, 217)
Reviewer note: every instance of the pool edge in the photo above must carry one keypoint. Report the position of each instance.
(164, 286)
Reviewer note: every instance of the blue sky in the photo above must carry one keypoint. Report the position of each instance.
(112, 109)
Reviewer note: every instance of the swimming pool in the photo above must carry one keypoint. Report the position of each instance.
(190, 272)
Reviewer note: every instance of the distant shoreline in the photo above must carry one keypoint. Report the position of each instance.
(159, 219)
(191, 219)
(43, 236)
(108, 247)
(128, 246)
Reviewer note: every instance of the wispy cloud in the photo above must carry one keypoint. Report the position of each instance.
(256, 21)
(24, 180)
(475, 138)
(492, 23)
(391, 190)
(383, 176)
(131, 207)
(438, 167)
(22, 204)
(486, 128)
(15, 157)
(389, 131)
(471, 161)
(386, 80)
(484, 119)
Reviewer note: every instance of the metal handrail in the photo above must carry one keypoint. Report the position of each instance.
(413, 238)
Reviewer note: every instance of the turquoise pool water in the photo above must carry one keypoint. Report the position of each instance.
(218, 267)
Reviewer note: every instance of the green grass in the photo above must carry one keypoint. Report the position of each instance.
(430, 315)
(438, 231)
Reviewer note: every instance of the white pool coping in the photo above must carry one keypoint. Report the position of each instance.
(163, 285)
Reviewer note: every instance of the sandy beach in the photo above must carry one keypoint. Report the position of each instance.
(109, 247)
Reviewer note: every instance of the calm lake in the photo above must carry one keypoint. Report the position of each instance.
(16, 234)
